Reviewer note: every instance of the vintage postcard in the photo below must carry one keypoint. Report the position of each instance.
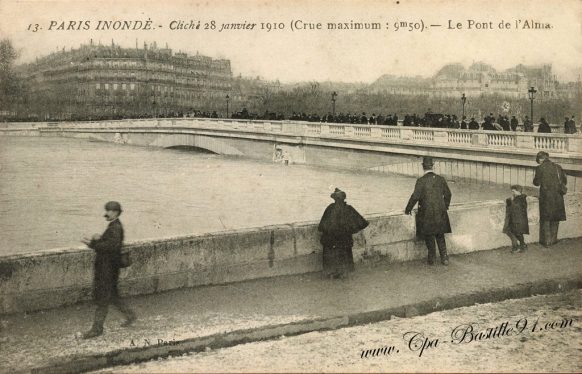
(290, 186)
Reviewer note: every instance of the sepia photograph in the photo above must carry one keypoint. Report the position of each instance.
(258, 186)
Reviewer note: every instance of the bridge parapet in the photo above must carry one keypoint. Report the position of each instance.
(474, 139)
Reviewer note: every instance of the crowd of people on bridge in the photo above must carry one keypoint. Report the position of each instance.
(434, 120)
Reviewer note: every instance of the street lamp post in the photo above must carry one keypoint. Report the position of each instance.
(227, 99)
(333, 96)
(463, 100)
(531, 92)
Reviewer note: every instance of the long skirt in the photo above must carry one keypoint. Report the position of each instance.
(338, 260)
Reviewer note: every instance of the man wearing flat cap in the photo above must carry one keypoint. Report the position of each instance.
(338, 223)
(106, 270)
(433, 196)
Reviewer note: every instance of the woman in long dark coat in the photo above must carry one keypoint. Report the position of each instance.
(550, 178)
(338, 223)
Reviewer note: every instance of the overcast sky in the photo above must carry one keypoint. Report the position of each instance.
(348, 56)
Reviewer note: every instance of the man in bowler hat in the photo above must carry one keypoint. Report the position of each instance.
(106, 270)
(433, 196)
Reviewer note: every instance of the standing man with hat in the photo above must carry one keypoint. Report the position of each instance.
(106, 270)
(433, 196)
(552, 180)
(338, 223)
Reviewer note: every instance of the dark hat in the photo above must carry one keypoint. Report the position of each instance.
(338, 194)
(542, 155)
(113, 205)
(427, 162)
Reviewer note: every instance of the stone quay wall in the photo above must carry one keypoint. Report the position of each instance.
(54, 278)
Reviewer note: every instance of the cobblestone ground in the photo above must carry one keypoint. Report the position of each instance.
(533, 345)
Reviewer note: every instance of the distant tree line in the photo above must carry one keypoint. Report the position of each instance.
(309, 99)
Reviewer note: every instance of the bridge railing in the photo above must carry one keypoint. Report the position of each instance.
(503, 140)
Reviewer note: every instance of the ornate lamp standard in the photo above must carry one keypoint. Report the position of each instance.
(463, 100)
(531, 93)
(333, 96)
(227, 99)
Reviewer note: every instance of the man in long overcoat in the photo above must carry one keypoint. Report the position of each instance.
(338, 223)
(106, 270)
(550, 178)
(432, 220)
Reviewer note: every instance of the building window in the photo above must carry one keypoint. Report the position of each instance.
(132, 86)
(114, 86)
(124, 86)
(106, 86)
(98, 86)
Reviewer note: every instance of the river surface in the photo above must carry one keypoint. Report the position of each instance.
(52, 192)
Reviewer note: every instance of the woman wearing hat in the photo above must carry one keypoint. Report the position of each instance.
(338, 223)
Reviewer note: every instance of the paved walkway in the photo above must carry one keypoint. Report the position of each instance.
(44, 338)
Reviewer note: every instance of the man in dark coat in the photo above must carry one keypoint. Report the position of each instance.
(488, 123)
(338, 223)
(570, 126)
(516, 221)
(432, 221)
(544, 126)
(551, 179)
(527, 125)
(106, 270)
(473, 125)
(464, 123)
(514, 123)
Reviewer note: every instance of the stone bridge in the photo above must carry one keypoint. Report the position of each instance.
(480, 156)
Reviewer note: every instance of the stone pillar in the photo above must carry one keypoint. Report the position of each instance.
(406, 134)
(441, 137)
(574, 144)
(479, 139)
(324, 129)
(349, 131)
(375, 132)
(293, 128)
(525, 141)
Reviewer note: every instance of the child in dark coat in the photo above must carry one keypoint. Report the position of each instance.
(516, 222)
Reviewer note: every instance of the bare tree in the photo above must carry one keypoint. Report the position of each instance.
(9, 82)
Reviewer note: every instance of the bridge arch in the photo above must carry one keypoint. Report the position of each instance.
(221, 146)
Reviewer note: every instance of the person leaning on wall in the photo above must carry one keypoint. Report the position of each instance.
(551, 180)
(433, 196)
